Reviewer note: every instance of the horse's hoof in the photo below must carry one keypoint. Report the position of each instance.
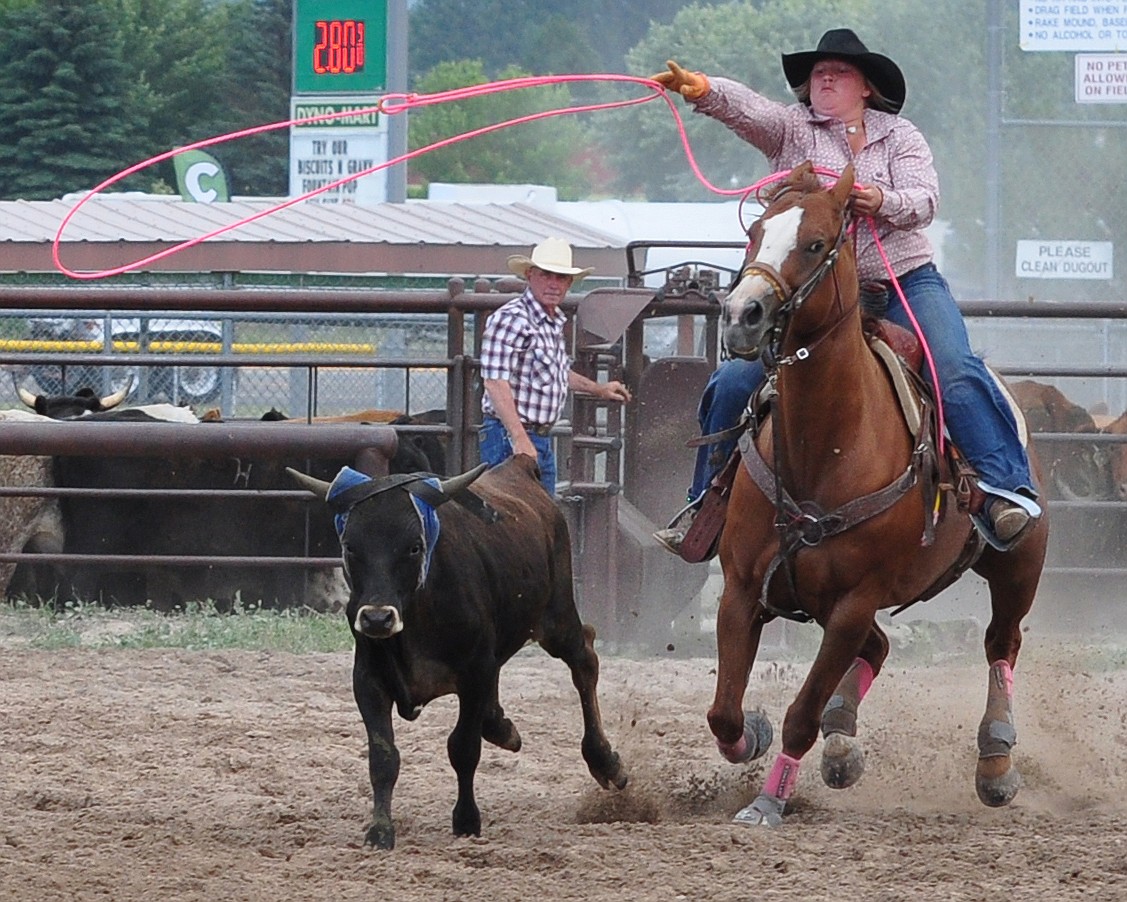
(843, 761)
(381, 834)
(608, 770)
(766, 811)
(996, 790)
(757, 738)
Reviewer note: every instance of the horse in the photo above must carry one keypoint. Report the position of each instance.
(879, 522)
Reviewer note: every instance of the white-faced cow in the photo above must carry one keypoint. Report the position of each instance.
(438, 604)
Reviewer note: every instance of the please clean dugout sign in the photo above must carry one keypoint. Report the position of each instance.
(1064, 259)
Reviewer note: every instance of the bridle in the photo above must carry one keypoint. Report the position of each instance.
(790, 304)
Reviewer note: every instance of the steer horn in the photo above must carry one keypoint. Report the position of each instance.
(455, 484)
(318, 487)
(27, 397)
(112, 400)
(107, 403)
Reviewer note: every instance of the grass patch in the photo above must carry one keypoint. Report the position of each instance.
(200, 626)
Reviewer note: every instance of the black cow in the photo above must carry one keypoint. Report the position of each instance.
(64, 407)
(435, 616)
(252, 525)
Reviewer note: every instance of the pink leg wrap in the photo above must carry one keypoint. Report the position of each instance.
(864, 677)
(783, 776)
(1004, 675)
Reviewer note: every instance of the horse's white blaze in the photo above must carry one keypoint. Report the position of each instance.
(780, 237)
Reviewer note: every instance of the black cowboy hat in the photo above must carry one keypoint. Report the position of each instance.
(843, 44)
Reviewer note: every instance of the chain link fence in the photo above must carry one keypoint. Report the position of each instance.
(190, 360)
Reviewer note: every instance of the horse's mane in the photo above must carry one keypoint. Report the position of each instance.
(803, 183)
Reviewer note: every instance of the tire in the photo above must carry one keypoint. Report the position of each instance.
(123, 376)
(195, 384)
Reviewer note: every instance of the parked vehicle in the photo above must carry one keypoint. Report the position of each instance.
(179, 384)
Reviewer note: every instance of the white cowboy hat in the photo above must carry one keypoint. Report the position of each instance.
(550, 255)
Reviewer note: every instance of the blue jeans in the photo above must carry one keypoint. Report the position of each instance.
(978, 418)
(496, 448)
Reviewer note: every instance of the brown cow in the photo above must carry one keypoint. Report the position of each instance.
(1075, 470)
(1117, 457)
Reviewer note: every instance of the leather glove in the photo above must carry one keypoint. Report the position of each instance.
(690, 85)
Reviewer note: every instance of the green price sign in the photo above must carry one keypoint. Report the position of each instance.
(340, 46)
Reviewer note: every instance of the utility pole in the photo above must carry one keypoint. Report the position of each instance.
(993, 196)
(397, 83)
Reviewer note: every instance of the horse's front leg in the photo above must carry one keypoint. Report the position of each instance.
(843, 759)
(844, 635)
(739, 626)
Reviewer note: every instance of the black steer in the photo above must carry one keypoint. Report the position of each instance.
(429, 623)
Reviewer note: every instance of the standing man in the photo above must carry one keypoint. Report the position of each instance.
(525, 365)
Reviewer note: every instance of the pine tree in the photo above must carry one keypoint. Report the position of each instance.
(65, 100)
(258, 93)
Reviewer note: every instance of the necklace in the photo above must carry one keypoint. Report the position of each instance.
(851, 129)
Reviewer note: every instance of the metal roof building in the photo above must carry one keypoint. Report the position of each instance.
(413, 238)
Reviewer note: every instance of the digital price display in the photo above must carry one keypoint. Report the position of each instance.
(340, 46)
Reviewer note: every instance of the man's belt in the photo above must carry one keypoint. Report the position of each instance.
(538, 428)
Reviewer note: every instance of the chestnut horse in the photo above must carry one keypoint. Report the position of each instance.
(840, 520)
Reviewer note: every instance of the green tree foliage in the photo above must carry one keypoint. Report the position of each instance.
(176, 52)
(87, 89)
(541, 152)
(553, 38)
(737, 40)
(66, 99)
(257, 92)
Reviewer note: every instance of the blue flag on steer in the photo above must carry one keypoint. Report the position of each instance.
(428, 516)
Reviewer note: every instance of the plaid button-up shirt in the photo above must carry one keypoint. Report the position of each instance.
(524, 346)
(896, 158)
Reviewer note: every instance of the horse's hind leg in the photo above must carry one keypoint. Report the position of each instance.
(843, 759)
(996, 780)
(1013, 579)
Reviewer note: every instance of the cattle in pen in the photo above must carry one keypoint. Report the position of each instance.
(416, 451)
(30, 523)
(27, 522)
(441, 596)
(1117, 457)
(249, 523)
(1075, 470)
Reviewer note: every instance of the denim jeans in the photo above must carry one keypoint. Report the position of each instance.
(496, 448)
(978, 418)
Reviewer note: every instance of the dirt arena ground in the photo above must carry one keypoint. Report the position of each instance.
(242, 776)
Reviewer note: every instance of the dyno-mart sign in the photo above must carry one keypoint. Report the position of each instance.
(1064, 260)
(326, 151)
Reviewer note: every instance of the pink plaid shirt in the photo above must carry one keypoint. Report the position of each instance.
(896, 159)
